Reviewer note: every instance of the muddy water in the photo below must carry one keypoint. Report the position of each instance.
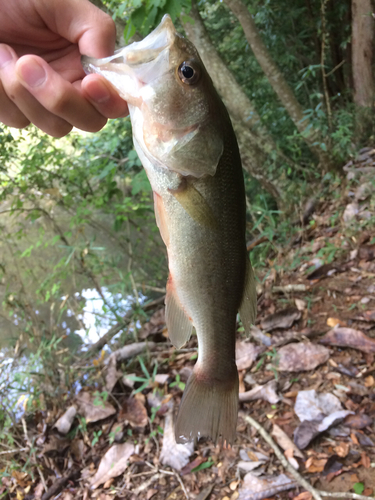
(72, 310)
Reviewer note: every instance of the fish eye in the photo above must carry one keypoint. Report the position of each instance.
(187, 73)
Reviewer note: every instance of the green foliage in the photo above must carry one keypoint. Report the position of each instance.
(358, 488)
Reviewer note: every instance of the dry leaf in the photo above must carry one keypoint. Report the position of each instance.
(369, 381)
(358, 421)
(332, 322)
(305, 495)
(64, 423)
(266, 392)
(92, 407)
(282, 319)
(317, 412)
(111, 374)
(342, 449)
(133, 410)
(285, 442)
(173, 454)
(300, 304)
(365, 460)
(256, 488)
(114, 462)
(316, 465)
(301, 357)
(246, 354)
(348, 337)
(353, 437)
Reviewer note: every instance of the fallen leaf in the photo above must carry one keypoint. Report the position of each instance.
(249, 466)
(133, 410)
(301, 357)
(305, 495)
(359, 421)
(350, 212)
(300, 304)
(205, 493)
(282, 319)
(332, 322)
(77, 449)
(173, 454)
(246, 354)
(313, 406)
(353, 437)
(285, 442)
(191, 465)
(369, 381)
(111, 374)
(348, 337)
(367, 253)
(92, 407)
(64, 423)
(333, 466)
(364, 440)
(114, 462)
(342, 449)
(266, 392)
(354, 478)
(368, 492)
(365, 459)
(256, 488)
(317, 465)
(317, 412)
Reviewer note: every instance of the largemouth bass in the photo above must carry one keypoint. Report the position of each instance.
(184, 138)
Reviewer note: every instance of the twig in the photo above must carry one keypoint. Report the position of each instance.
(256, 242)
(305, 484)
(317, 494)
(174, 473)
(16, 450)
(146, 484)
(336, 494)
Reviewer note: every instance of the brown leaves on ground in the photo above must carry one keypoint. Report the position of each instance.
(114, 462)
(348, 337)
(92, 407)
(301, 357)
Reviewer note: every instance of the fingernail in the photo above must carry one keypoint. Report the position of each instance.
(33, 73)
(5, 56)
(99, 93)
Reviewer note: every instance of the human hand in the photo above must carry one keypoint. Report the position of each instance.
(41, 77)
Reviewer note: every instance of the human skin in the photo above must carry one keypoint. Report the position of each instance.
(41, 76)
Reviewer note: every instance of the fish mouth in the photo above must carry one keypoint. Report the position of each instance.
(137, 64)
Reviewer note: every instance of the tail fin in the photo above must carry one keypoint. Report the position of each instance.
(208, 408)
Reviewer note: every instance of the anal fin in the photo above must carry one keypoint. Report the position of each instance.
(248, 307)
(178, 323)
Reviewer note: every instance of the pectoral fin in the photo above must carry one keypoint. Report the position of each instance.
(178, 324)
(248, 307)
(195, 205)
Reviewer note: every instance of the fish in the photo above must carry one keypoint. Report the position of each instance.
(184, 138)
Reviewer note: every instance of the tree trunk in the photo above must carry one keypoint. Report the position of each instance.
(362, 55)
(256, 145)
(277, 81)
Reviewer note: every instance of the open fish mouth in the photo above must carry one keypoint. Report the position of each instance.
(137, 64)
